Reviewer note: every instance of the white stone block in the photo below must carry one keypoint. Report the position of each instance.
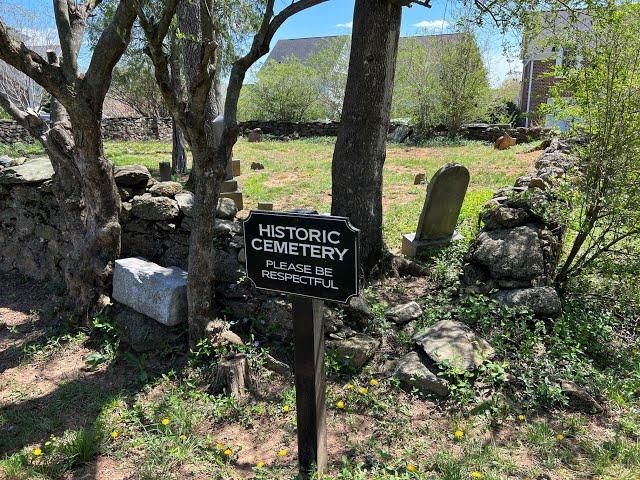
(155, 291)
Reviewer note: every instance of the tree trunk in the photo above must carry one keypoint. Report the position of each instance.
(201, 286)
(178, 152)
(360, 150)
(94, 254)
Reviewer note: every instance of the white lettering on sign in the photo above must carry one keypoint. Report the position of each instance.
(288, 241)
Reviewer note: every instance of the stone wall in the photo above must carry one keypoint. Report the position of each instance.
(517, 251)
(151, 128)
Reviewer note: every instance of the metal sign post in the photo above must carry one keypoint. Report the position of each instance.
(313, 258)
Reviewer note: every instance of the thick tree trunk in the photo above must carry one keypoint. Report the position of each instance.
(94, 256)
(360, 149)
(201, 286)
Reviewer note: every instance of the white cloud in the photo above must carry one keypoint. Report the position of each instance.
(348, 25)
(432, 24)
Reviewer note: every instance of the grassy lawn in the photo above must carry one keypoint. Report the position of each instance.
(298, 174)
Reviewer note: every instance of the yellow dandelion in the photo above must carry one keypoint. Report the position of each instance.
(458, 434)
(340, 404)
(285, 408)
(183, 438)
(260, 464)
(373, 382)
(282, 453)
(166, 421)
(350, 386)
(37, 452)
(219, 446)
(363, 390)
(115, 434)
(559, 437)
(476, 474)
(411, 468)
(228, 452)
(522, 418)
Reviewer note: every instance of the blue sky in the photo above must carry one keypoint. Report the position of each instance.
(333, 18)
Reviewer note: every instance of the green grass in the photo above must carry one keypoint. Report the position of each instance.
(297, 174)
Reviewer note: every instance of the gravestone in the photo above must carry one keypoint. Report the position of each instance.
(439, 216)
(229, 188)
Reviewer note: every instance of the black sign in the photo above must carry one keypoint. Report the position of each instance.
(309, 255)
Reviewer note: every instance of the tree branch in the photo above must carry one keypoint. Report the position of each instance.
(109, 49)
(29, 120)
(33, 65)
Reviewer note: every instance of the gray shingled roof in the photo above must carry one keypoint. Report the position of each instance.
(305, 48)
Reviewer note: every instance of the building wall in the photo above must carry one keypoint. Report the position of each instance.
(540, 87)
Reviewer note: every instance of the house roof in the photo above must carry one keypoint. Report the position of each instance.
(305, 48)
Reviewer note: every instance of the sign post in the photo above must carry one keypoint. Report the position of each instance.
(313, 258)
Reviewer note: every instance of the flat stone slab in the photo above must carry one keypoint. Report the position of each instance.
(355, 351)
(543, 301)
(454, 343)
(404, 313)
(131, 175)
(34, 171)
(157, 292)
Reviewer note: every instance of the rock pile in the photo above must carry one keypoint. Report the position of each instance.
(516, 254)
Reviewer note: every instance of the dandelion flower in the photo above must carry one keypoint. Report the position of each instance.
(285, 408)
(458, 434)
(340, 404)
(228, 452)
(363, 390)
(476, 474)
(260, 464)
(219, 446)
(373, 382)
(183, 438)
(115, 434)
(282, 453)
(37, 452)
(411, 467)
(559, 437)
(522, 418)
(349, 386)
(166, 421)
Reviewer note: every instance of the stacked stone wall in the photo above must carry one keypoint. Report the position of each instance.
(516, 254)
(151, 128)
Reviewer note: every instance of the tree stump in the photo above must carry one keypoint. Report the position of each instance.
(233, 376)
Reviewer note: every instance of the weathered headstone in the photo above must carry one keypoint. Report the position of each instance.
(165, 171)
(439, 216)
(255, 135)
(235, 166)
(268, 206)
(419, 179)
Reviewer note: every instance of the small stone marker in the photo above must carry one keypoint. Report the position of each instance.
(235, 165)
(439, 216)
(257, 166)
(419, 179)
(255, 135)
(236, 197)
(165, 171)
(155, 291)
(505, 142)
(267, 206)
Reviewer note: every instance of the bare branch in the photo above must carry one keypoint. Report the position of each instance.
(33, 65)
(29, 119)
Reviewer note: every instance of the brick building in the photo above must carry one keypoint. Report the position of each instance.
(540, 56)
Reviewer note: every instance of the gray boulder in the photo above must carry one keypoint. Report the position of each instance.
(165, 189)
(399, 134)
(5, 161)
(141, 333)
(504, 217)
(154, 208)
(131, 176)
(226, 209)
(579, 399)
(454, 343)
(37, 170)
(227, 268)
(157, 292)
(511, 253)
(413, 374)
(355, 351)
(402, 314)
(185, 203)
(543, 301)
(358, 311)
